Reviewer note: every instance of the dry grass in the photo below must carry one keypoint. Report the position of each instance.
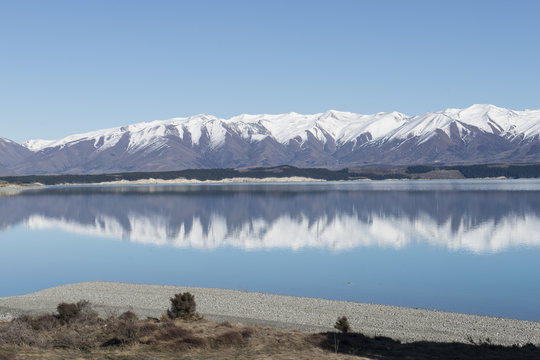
(189, 340)
(81, 334)
(77, 332)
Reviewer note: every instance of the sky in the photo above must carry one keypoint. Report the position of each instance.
(75, 66)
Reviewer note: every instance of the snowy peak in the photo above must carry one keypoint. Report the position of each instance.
(479, 133)
(496, 120)
(342, 127)
(489, 119)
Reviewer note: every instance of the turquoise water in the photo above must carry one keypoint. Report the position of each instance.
(465, 246)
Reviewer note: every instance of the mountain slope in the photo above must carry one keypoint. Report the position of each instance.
(480, 133)
(11, 154)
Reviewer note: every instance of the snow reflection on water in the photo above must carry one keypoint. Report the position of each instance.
(476, 216)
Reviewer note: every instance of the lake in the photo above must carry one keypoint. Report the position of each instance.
(470, 246)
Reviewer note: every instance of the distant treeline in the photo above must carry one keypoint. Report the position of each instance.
(196, 174)
(484, 171)
(468, 171)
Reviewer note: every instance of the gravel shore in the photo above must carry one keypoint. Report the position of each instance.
(183, 181)
(289, 312)
(9, 190)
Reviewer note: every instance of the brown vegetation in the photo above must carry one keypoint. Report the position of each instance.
(183, 306)
(380, 347)
(76, 331)
(342, 324)
(7, 356)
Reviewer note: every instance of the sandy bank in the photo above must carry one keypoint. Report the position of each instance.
(306, 314)
(12, 189)
(181, 181)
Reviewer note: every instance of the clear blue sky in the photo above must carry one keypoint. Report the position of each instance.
(75, 66)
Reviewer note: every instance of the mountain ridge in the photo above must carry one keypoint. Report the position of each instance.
(479, 133)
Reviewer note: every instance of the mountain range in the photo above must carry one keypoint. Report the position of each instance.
(334, 139)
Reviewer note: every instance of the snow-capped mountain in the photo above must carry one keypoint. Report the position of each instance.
(11, 154)
(480, 133)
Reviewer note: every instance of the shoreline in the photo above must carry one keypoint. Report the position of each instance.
(184, 181)
(280, 311)
(13, 189)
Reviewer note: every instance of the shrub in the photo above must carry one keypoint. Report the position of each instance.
(128, 316)
(67, 312)
(126, 331)
(342, 324)
(182, 306)
(82, 310)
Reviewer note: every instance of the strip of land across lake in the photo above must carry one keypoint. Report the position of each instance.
(287, 173)
(287, 312)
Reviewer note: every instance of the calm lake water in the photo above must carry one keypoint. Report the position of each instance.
(464, 246)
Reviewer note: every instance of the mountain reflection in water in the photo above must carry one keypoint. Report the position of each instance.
(480, 217)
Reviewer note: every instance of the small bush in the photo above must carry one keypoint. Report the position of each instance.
(81, 311)
(342, 324)
(128, 316)
(127, 330)
(67, 312)
(183, 306)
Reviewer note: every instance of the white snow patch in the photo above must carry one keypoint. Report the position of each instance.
(341, 127)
